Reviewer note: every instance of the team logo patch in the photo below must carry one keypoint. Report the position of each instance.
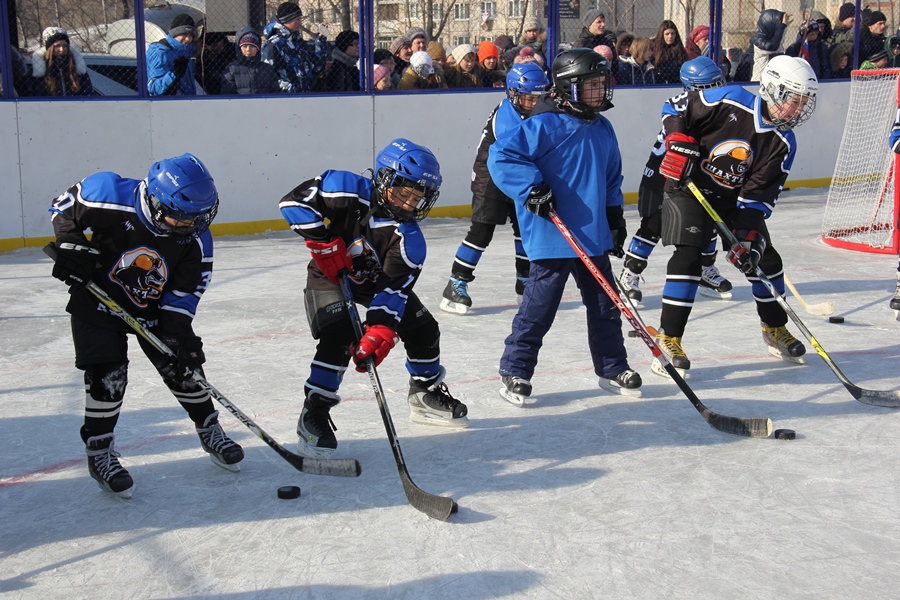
(142, 273)
(366, 264)
(728, 163)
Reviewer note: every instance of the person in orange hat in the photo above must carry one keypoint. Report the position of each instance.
(489, 59)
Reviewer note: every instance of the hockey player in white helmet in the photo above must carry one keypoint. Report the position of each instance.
(738, 148)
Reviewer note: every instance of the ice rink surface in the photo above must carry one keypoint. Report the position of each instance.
(582, 495)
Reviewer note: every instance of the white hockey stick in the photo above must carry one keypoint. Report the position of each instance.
(822, 309)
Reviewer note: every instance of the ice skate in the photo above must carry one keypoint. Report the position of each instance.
(713, 285)
(520, 288)
(516, 390)
(626, 383)
(782, 344)
(456, 297)
(674, 352)
(104, 467)
(315, 429)
(223, 451)
(895, 301)
(629, 284)
(433, 405)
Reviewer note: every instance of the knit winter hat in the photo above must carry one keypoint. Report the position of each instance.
(415, 32)
(877, 55)
(530, 24)
(504, 42)
(876, 17)
(461, 51)
(380, 73)
(344, 39)
(604, 51)
(52, 35)
(487, 49)
(847, 10)
(591, 16)
(397, 43)
(182, 24)
(699, 32)
(421, 63)
(250, 39)
(437, 52)
(287, 12)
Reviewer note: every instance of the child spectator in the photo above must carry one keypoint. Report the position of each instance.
(878, 60)
(381, 78)
(298, 68)
(420, 75)
(170, 70)
(215, 56)
(637, 69)
(841, 60)
(248, 74)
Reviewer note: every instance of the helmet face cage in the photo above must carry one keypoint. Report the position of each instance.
(181, 190)
(409, 168)
(387, 178)
(701, 73)
(528, 79)
(571, 69)
(190, 225)
(784, 81)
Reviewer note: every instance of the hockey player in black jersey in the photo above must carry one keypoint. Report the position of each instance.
(372, 233)
(738, 148)
(150, 251)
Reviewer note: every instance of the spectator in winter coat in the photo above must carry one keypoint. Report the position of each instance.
(489, 60)
(623, 45)
(637, 69)
(215, 56)
(170, 70)
(894, 52)
(248, 74)
(60, 70)
(344, 74)
(298, 68)
(534, 37)
(420, 74)
(811, 49)
(767, 41)
(418, 41)
(841, 60)
(697, 43)
(843, 31)
(668, 53)
(609, 54)
(594, 32)
(402, 51)
(878, 60)
(381, 78)
(466, 73)
(871, 37)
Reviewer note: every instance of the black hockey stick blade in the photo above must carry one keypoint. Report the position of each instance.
(752, 426)
(436, 507)
(886, 399)
(347, 467)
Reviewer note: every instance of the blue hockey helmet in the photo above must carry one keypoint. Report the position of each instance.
(528, 79)
(701, 73)
(407, 180)
(181, 196)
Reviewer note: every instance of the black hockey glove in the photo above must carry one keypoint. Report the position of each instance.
(541, 200)
(76, 259)
(179, 66)
(615, 216)
(188, 357)
(746, 254)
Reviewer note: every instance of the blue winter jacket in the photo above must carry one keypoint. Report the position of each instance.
(579, 160)
(160, 57)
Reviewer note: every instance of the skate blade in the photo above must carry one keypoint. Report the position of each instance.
(897, 315)
(308, 451)
(657, 368)
(515, 399)
(454, 307)
(234, 468)
(611, 386)
(519, 299)
(124, 494)
(800, 360)
(434, 419)
(711, 293)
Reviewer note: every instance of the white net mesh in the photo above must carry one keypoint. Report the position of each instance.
(859, 213)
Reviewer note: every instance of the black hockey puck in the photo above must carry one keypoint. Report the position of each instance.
(633, 333)
(835, 319)
(288, 492)
(454, 509)
(785, 434)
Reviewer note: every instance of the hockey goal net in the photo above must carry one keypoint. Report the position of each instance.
(862, 208)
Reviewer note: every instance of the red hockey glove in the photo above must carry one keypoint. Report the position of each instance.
(682, 153)
(746, 253)
(331, 257)
(376, 342)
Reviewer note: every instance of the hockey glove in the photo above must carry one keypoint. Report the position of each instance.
(188, 357)
(76, 260)
(541, 200)
(179, 66)
(682, 153)
(745, 255)
(616, 219)
(376, 342)
(331, 257)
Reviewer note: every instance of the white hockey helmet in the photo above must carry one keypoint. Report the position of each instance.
(786, 81)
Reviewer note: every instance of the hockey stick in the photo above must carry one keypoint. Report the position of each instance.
(748, 426)
(821, 309)
(889, 399)
(338, 467)
(436, 507)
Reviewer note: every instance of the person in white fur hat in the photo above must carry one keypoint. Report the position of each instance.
(420, 74)
(60, 70)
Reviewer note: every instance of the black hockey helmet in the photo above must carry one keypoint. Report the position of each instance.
(571, 69)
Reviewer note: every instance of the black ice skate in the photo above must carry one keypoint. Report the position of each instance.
(456, 297)
(627, 383)
(222, 450)
(895, 301)
(782, 344)
(629, 284)
(713, 285)
(104, 467)
(315, 429)
(516, 390)
(674, 352)
(433, 405)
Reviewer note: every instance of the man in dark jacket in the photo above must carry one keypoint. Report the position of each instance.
(810, 48)
(871, 37)
(343, 76)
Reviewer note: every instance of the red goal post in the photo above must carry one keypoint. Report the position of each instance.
(863, 204)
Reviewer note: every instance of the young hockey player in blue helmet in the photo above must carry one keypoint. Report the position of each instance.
(491, 207)
(150, 251)
(372, 232)
(700, 73)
